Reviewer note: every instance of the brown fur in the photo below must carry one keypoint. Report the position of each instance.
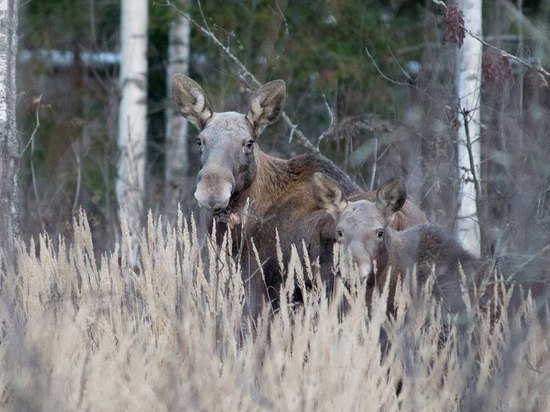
(235, 171)
(427, 250)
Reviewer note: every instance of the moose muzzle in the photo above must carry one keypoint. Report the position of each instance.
(214, 189)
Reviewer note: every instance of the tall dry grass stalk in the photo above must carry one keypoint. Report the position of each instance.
(168, 335)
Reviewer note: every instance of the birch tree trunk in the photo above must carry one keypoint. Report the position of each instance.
(177, 158)
(9, 142)
(132, 117)
(468, 92)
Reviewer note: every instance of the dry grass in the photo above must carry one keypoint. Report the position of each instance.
(81, 336)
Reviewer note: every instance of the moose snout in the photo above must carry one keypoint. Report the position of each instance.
(361, 259)
(365, 271)
(213, 191)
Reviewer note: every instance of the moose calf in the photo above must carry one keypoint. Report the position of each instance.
(364, 229)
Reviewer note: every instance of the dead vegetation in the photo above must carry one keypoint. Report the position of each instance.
(76, 334)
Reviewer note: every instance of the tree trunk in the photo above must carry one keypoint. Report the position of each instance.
(9, 142)
(177, 159)
(468, 92)
(132, 117)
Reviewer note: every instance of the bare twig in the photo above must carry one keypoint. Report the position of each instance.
(244, 73)
(520, 17)
(205, 22)
(302, 139)
(330, 127)
(532, 258)
(374, 166)
(469, 144)
(405, 73)
(79, 179)
(537, 67)
(37, 101)
(381, 72)
(475, 179)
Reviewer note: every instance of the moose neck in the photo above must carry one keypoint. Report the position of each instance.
(270, 179)
(395, 244)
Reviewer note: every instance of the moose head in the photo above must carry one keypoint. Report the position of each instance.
(227, 140)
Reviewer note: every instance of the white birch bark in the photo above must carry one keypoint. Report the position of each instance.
(468, 92)
(176, 162)
(132, 117)
(9, 142)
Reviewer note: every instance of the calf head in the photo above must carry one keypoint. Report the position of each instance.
(227, 140)
(361, 224)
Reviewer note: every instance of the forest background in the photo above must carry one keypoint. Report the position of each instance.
(371, 84)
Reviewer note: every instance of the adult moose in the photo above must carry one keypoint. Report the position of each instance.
(364, 229)
(271, 195)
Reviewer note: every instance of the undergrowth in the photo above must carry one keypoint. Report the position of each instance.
(76, 334)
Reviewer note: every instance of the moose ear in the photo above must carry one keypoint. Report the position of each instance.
(266, 104)
(190, 100)
(391, 196)
(328, 194)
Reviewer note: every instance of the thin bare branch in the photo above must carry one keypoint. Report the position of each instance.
(78, 179)
(330, 128)
(472, 169)
(537, 66)
(243, 73)
(381, 73)
(37, 101)
(375, 164)
(517, 14)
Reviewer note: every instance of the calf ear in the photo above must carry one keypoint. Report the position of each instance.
(190, 100)
(328, 194)
(266, 104)
(391, 196)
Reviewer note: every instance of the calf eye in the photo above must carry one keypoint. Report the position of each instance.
(340, 233)
(380, 233)
(199, 142)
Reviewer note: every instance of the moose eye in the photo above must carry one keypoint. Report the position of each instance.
(380, 233)
(199, 142)
(339, 233)
(249, 144)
